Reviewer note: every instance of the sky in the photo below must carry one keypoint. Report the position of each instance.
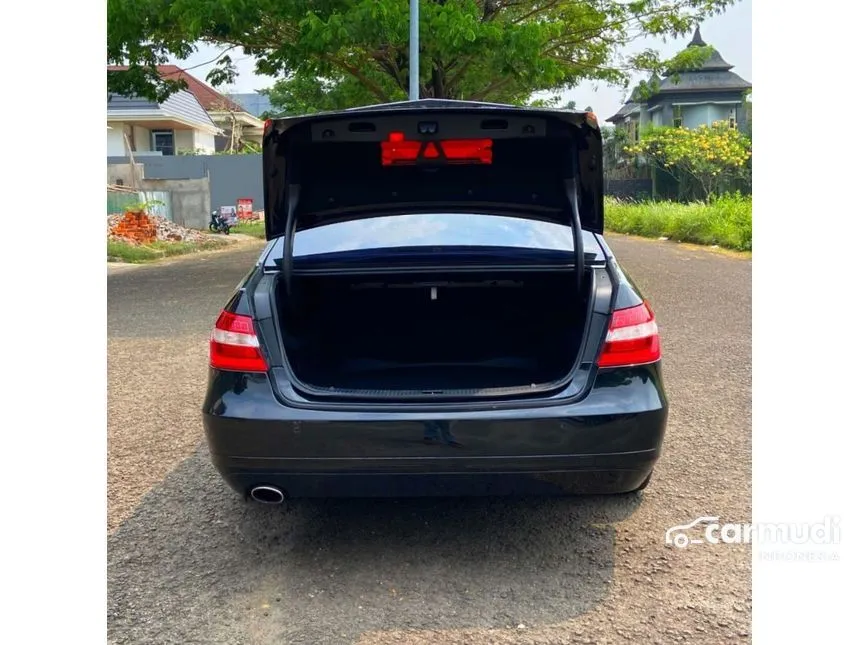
(730, 33)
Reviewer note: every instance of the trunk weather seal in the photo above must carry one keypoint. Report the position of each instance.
(449, 396)
(368, 270)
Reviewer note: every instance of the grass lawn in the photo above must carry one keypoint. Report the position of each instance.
(726, 221)
(121, 252)
(256, 228)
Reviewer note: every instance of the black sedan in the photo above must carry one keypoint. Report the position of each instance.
(436, 313)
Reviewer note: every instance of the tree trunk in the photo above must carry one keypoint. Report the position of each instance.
(438, 82)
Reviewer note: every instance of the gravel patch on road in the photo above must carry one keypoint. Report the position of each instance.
(159, 319)
(153, 414)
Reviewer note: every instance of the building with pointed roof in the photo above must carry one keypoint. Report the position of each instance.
(229, 123)
(690, 98)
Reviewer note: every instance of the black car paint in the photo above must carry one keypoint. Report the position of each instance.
(607, 443)
(325, 168)
(604, 441)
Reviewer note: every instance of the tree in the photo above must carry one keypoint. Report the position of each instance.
(713, 155)
(614, 147)
(303, 94)
(337, 53)
(225, 114)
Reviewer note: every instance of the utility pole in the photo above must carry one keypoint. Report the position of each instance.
(413, 50)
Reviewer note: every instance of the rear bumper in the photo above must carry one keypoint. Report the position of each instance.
(605, 443)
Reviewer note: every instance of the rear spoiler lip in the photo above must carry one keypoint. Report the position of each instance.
(578, 118)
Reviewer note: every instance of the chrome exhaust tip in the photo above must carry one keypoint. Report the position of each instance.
(267, 495)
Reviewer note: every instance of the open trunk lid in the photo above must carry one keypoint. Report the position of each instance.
(433, 156)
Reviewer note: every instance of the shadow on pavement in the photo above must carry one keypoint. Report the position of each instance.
(196, 563)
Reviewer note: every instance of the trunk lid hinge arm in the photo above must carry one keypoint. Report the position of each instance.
(290, 234)
(573, 198)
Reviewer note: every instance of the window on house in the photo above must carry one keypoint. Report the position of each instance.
(733, 123)
(162, 141)
(632, 126)
(677, 118)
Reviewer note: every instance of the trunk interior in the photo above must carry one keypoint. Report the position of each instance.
(433, 333)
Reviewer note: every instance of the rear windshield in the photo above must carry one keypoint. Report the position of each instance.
(436, 229)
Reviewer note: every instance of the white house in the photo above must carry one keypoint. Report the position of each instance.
(237, 123)
(177, 124)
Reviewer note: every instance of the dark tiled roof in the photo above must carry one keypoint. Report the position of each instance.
(630, 107)
(713, 74)
(697, 41)
(703, 81)
(714, 62)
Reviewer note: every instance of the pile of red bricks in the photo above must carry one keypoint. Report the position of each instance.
(135, 226)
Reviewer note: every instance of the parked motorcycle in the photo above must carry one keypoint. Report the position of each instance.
(219, 223)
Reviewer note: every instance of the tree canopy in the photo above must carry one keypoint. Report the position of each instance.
(332, 54)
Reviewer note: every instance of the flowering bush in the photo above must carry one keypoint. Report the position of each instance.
(713, 155)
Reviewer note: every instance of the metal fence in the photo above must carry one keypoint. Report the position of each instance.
(231, 177)
(117, 201)
(157, 201)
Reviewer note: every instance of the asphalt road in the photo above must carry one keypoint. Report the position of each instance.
(189, 562)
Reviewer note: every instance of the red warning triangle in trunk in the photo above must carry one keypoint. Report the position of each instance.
(431, 151)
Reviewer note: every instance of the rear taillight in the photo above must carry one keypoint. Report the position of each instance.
(632, 338)
(234, 345)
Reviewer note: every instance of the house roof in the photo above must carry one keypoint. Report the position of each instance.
(715, 61)
(631, 105)
(713, 74)
(180, 106)
(629, 108)
(208, 97)
(703, 81)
